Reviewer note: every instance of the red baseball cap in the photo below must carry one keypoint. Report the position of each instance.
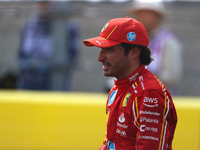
(120, 30)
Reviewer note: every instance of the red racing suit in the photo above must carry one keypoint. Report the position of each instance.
(141, 114)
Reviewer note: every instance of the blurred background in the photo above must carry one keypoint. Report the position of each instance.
(68, 111)
(183, 19)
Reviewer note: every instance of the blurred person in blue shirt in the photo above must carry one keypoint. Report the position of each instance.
(37, 49)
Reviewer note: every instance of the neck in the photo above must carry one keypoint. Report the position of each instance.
(132, 68)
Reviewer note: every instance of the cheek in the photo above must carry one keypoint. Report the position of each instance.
(117, 61)
(115, 58)
(122, 64)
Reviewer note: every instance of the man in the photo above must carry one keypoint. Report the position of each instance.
(165, 44)
(141, 113)
(38, 48)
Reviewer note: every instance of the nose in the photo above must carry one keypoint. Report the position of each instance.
(102, 55)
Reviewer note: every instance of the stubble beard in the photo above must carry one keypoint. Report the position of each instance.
(118, 70)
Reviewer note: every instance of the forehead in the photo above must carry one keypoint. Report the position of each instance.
(114, 47)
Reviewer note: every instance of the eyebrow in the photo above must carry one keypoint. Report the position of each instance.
(108, 47)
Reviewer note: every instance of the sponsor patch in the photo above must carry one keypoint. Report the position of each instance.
(131, 36)
(150, 102)
(148, 137)
(144, 128)
(149, 120)
(111, 146)
(125, 101)
(122, 125)
(112, 97)
(149, 113)
(99, 42)
(122, 133)
(121, 118)
(132, 78)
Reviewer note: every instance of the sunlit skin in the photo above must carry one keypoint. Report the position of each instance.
(116, 63)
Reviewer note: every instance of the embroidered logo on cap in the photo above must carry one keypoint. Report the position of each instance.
(104, 27)
(131, 36)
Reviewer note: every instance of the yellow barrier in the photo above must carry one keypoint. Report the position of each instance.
(75, 121)
(187, 134)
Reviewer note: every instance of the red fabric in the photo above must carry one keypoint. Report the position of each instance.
(141, 113)
(120, 30)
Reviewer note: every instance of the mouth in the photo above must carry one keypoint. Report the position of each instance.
(105, 66)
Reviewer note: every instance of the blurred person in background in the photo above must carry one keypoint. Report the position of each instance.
(165, 44)
(37, 50)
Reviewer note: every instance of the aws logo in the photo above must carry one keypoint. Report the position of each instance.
(150, 102)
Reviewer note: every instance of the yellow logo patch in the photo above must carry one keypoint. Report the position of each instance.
(125, 101)
(104, 27)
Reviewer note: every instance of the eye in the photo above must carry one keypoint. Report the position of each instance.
(109, 49)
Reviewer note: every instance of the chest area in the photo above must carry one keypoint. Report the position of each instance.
(119, 100)
(120, 113)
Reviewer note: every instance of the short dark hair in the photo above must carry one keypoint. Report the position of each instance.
(145, 52)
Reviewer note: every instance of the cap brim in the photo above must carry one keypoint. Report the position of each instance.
(100, 42)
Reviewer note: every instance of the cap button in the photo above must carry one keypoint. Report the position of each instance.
(127, 17)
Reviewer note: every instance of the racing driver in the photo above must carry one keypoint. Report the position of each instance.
(141, 113)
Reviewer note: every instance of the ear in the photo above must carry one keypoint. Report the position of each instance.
(134, 52)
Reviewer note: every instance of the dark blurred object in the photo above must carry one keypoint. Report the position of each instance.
(8, 81)
(36, 49)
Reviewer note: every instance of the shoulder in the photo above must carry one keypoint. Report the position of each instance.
(150, 88)
(148, 81)
(154, 95)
